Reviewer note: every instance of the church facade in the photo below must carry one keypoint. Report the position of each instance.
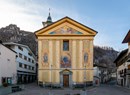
(65, 53)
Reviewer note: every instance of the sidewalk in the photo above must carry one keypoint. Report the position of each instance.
(5, 90)
(33, 89)
(123, 87)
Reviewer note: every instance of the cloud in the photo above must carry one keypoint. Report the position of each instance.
(11, 13)
(28, 14)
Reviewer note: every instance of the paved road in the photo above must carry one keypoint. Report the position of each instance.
(109, 90)
(33, 89)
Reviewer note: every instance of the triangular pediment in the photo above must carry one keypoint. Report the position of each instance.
(65, 30)
(66, 26)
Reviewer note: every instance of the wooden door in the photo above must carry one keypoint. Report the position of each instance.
(66, 80)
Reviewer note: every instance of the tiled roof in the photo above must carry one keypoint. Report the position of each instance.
(121, 57)
(65, 18)
(127, 38)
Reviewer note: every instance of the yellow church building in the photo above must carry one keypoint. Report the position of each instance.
(65, 53)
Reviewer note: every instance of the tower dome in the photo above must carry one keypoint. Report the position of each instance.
(49, 18)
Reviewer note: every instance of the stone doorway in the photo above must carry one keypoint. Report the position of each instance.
(66, 78)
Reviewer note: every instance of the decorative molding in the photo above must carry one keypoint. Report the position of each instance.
(66, 30)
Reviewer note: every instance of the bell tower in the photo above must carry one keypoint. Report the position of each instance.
(49, 20)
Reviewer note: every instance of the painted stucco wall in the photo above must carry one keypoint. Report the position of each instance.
(50, 46)
(7, 64)
(77, 49)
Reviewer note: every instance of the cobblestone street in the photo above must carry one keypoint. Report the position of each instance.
(33, 89)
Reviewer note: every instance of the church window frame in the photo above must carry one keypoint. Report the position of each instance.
(65, 45)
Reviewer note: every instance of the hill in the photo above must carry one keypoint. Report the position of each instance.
(102, 55)
(12, 33)
(105, 56)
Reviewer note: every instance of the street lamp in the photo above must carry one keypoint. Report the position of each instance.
(85, 61)
(85, 79)
(50, 93)
(51, 76)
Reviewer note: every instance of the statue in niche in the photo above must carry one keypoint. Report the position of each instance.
(85, 57)
(45, 58)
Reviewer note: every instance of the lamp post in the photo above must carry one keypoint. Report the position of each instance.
(50, 93)
(51, 76)
(85, 79)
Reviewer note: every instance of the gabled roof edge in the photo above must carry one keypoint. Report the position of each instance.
(127, 38)
(70, 19)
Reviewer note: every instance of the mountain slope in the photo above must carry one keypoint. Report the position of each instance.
(102, 55)
(12, 33)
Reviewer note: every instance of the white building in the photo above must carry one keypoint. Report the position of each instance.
(96, 76)
(26, 62)
(122, 63)
(7, 65)
(101, 74)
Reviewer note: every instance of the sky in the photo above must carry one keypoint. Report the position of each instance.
(110, 18)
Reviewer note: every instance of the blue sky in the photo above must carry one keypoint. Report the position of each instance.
(109, 17)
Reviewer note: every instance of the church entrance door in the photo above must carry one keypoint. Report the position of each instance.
(66, 80)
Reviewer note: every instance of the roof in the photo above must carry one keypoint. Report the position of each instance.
(96, 77)
(127, 38)
(121, 57)
(99, 65)
(12, 43)
(7, 47)
(61, 20)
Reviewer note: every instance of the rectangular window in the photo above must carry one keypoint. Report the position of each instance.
(32, 61)
(29, 53)
(20, 55)
(25, 66)
(32, 68)
(29, 59)
(20, 65)
(66, 45)
(29, 67)
(20, 48)
(25, 57)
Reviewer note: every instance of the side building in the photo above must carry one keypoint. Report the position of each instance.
(123, 64)
(7, 66)
(26, 62)
(101, 74)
